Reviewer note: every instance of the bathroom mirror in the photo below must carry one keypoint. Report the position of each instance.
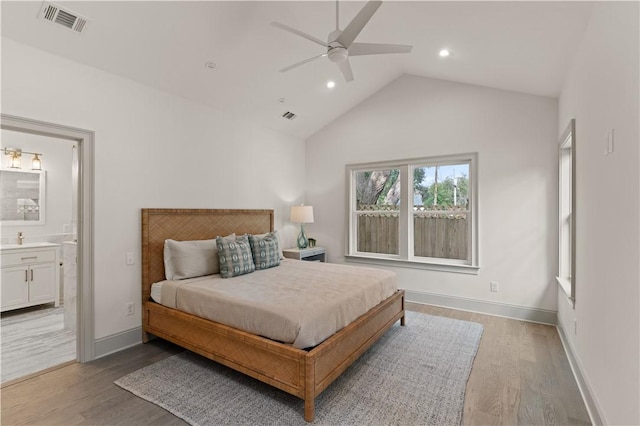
(23, 197)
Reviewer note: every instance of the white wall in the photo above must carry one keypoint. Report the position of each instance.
(152, 149)
(601, 93)
(57, 163)
(515, 136)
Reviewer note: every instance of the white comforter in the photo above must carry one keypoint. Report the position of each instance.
(298, 302)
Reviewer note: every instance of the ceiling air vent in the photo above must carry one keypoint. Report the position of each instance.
(289, 115)
(53, 13)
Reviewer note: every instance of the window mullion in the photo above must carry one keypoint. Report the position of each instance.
(405, 231)
(352, 242)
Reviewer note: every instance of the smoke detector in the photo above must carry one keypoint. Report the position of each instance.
(56, 14)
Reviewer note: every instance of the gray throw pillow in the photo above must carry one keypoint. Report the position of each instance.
(235, 257)
(265, 250)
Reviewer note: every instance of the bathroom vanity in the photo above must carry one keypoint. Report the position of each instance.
(30, 275)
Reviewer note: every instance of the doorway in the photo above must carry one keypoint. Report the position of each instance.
(78, 227)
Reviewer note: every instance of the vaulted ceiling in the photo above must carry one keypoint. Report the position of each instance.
(520, 46)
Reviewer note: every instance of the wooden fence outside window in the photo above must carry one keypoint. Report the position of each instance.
(440, 234)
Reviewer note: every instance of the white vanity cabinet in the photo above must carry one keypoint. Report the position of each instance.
(30, 276)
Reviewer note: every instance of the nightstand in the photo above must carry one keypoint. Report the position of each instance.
(309, 253)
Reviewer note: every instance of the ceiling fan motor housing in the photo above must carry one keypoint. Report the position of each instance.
(337, 53)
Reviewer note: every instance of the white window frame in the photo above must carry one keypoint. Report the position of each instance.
(405, 256)
(566, 277)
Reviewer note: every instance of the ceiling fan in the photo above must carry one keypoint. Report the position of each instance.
(340, 43)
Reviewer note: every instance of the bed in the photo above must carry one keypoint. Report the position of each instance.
(300, 372)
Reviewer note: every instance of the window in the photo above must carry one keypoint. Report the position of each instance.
(420, 212)
(566, 211)
(377, 195)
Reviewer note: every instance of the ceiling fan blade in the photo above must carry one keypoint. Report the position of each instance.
(357, 24)
(345, 69)
(299, 33)
(297, 64)
(359, 49)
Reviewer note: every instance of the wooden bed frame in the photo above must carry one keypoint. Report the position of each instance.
(303, 373)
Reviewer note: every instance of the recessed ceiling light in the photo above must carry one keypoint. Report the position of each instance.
(331, 84)
(444, 53)
(210, 65)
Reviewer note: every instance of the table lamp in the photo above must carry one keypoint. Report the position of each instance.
(302, 214)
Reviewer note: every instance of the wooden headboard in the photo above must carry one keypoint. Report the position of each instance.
(191, 224)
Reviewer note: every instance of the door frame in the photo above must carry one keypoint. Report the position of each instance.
(86, 141)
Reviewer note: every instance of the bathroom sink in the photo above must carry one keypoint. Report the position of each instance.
(27, 245)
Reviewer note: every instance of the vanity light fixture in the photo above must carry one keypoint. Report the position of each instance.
(15, 162)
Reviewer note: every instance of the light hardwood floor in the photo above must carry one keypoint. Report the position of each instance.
(520, 376)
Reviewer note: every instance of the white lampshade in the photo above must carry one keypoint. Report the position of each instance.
(302, 214)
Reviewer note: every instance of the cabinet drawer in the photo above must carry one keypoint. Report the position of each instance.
(27, 257)
(313, 251)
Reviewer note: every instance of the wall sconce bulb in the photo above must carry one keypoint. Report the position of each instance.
(36, 163)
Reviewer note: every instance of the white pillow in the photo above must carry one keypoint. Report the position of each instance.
(188, 259)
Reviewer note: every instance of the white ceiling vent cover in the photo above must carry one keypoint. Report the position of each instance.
(58, 15)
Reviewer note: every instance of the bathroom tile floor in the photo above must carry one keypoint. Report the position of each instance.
(34, 340)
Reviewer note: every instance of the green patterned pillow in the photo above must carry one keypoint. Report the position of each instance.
(266, 250)
(235, 257)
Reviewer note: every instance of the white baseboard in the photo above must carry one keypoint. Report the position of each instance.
(585, 390)
(523, 313)
(117, 342)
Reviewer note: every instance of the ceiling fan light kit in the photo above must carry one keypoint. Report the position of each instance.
(338, 54)
(340, 43)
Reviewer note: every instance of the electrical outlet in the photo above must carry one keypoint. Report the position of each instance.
(494, 286)
(130, 259)
(130, 308)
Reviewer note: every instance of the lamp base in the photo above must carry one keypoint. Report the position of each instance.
(302, 241)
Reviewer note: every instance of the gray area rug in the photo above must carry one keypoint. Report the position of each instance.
(414, 375)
